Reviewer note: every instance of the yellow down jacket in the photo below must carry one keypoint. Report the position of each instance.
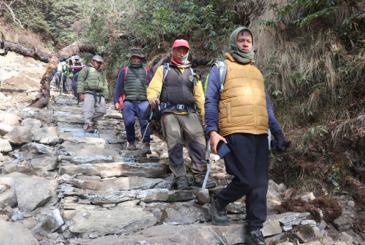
(242, 105)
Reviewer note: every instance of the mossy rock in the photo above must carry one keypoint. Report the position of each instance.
(304, 233)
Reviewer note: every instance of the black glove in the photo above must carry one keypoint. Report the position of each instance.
(279, 144)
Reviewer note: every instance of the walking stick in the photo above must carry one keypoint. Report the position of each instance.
(149, 120)
(210, 165)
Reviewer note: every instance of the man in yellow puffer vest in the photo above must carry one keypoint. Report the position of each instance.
(241, 116)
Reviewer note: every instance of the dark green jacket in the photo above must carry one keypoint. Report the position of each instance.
(95, 80)
(133, 88)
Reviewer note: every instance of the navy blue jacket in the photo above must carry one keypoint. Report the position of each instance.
(212, 102)
(120, 84)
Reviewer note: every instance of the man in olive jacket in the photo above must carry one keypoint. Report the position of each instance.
(92, 88)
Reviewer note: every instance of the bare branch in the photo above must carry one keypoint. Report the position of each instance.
(11, 12)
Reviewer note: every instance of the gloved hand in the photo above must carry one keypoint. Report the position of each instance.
(279, 144)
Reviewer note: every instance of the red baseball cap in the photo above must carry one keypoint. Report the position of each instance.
(180, 43)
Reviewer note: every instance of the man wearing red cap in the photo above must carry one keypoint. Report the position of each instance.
(178, 90)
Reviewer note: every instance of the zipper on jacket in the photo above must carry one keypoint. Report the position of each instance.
(253, 98)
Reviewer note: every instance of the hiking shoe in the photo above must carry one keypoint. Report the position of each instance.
(255, 238)
(209, 185)
(146, 148)
(90, 129)
(218, 213)
(183, 186)
(132, 146)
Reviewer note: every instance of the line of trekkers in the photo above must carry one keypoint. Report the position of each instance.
(235, 109)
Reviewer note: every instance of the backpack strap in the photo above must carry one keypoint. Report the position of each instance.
(166, 68)
(222, 66)
(147, 72)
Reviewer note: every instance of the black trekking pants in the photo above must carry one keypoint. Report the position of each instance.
(248, 163)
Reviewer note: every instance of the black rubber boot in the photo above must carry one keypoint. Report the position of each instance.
(255, 238)
(218, 212)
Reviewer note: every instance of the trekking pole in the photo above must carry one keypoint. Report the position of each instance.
(149, 120)
(210, 165)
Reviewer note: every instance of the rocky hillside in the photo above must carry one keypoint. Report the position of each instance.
(59, 185)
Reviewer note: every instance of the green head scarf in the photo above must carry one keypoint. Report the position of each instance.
(238, 54)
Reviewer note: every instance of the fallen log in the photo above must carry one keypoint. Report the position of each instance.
(52, 60)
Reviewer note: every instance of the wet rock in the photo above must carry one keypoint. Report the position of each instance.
(5, 146)
(304, 233)
(36, 148)
(9, 119)
(5, 128)
(344, 222)
(31, 122)
(121, 169)
(119, 184)
(8, 198)
(46, 226)
(15, 233)
(236, 208)
(179, 213)
(32, 192)
(112, 221)
(47, 163)
(309, 197)
(19, 135)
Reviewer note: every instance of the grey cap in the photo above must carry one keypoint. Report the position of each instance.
(98, 58)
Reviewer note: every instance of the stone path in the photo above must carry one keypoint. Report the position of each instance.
(60, 185)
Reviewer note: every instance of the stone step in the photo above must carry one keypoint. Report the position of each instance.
(82, 149)
(120, 169)
(112, 221)
(198, 234)
(119, 184)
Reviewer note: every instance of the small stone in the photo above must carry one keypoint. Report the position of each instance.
(5, 146)
(312, 223)
(351, 204)
(308, 197)
(16, 217)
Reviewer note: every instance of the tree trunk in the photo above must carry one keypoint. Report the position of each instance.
(52, 60)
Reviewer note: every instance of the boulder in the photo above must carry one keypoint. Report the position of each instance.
(112, 221)
(9, 119)
(19, 135)
(304, 233)
(46, 226)
(5, 128)
(15, 233)
(36, 148)
(45, 164)
(344, 222)
(5, 146)
(31, 122)
(32, 192)
(8, 198)
(119, 169)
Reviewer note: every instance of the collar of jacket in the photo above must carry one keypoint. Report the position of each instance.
(180, 66)
(228, 56)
